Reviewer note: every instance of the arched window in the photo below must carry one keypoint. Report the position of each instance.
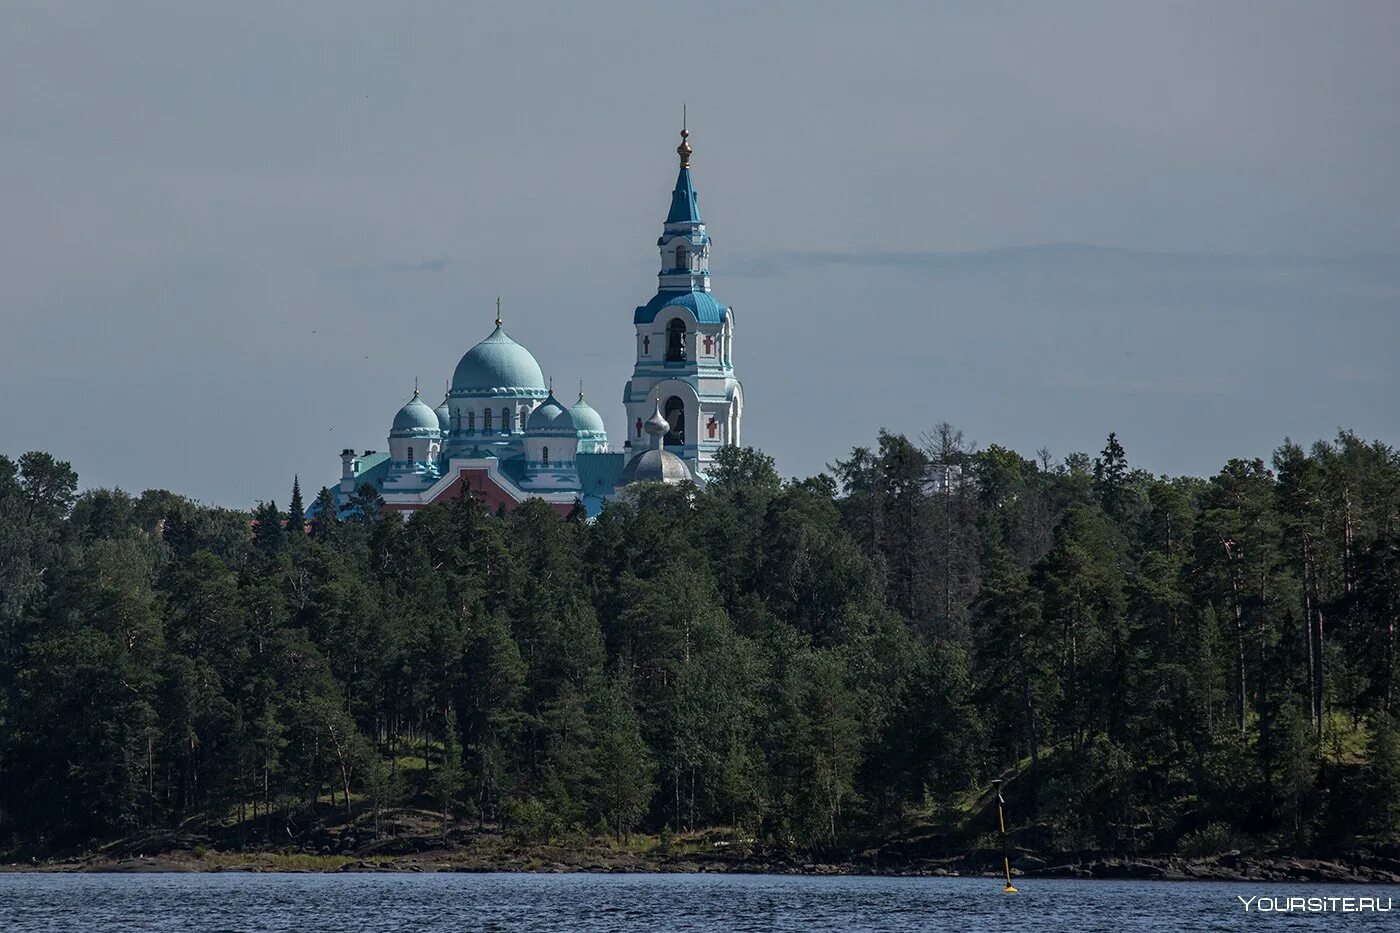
(675, 414)
(675, 341)
(505, 420)
(639, 427)
(646, 346)
(682, 257)
(544, 455)
(713, 427)
(486, 420)
(410, 455)
(471, 421)
(524, 413)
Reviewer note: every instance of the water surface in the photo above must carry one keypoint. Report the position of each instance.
(652, 903)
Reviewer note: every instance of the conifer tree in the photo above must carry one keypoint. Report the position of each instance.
(296, 513)
(325, 519)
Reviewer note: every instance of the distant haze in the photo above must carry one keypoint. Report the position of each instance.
(231, 235)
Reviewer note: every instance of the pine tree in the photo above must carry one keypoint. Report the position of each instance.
(296, 513)
(268, 536)
(1111, 478)
(623, 768)
(324, 519)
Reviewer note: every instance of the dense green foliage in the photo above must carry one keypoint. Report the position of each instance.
(1157, 663)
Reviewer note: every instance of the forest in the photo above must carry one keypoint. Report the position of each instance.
(1152, 664)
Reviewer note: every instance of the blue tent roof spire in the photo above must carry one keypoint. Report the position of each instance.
(684, 207)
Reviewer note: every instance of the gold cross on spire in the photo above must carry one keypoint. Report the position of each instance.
(498, 310)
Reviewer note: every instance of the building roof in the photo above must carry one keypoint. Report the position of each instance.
(702, 306)
(498, 366)
(586, 418)
(415, 418)
(657, 465)
(598, 472)
(685, 207)
(551, 418)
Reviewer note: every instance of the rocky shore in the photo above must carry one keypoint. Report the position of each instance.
(1362, 867)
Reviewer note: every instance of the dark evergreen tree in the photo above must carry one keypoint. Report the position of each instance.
(296, 513)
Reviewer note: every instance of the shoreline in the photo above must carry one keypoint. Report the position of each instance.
(1231, 867)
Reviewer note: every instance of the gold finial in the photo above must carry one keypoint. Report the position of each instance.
(684, 150)
(580, 390)
(498, 310)
(415, 386)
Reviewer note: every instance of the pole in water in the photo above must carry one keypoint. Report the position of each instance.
(1001, 822)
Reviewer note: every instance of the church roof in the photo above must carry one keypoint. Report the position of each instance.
(657, 465)
(416, 418)
(685, 206)
(702, 305)
(586, 418)
(550, 418)
(498, 366)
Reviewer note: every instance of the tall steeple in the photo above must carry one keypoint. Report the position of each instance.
(684, 338)
(684, 207)
(684, 244)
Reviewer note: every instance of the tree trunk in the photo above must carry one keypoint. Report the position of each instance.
(1239, 636)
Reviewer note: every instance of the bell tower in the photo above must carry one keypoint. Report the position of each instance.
(684, 341)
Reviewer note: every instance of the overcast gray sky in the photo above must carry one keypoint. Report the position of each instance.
(232, 234)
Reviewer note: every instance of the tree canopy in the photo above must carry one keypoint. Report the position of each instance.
(814, 662)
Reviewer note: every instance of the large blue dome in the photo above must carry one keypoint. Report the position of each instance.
(498, 366)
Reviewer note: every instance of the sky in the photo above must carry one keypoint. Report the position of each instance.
(233, 234)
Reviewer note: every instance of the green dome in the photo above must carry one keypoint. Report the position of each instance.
(498, 366)
(550, 418)
(416, 418)
(586, 418)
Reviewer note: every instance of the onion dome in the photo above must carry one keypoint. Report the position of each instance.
(498, 366)
(657, 425)
(416, 419)
(587, 421)
(444, 414)
(551, 419)
(657, 464)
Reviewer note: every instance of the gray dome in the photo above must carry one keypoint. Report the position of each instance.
(498, 366)
(657, 465)
(416, 418)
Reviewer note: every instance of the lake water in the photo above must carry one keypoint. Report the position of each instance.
(651, 903)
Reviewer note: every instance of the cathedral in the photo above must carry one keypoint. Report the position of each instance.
(502, 435)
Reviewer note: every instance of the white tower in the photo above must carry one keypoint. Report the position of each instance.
(684, 342)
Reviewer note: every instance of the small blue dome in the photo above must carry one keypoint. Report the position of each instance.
(586, 419)
(416, 418)
(550, 418)
(444, 416)
(498, 366)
